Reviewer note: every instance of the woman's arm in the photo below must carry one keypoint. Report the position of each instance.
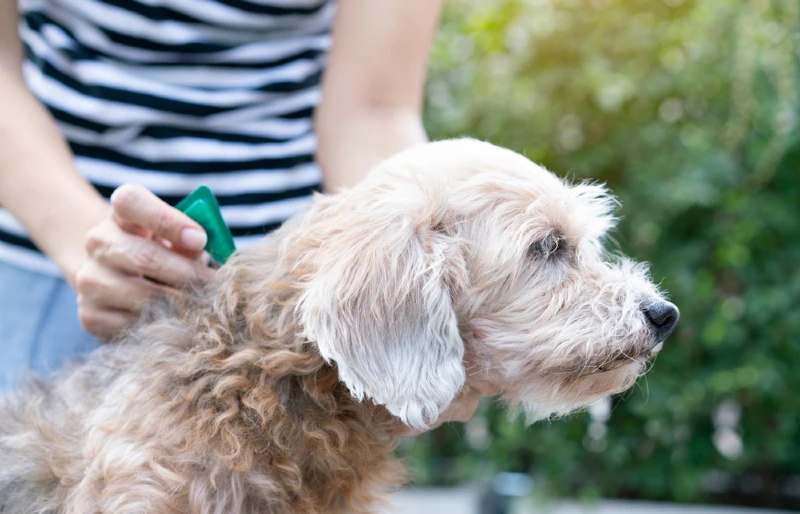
(108, 254)
(38, 184)
(372, 90)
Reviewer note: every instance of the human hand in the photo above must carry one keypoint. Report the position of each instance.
(144, 247)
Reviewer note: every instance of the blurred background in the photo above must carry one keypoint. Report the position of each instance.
(688, 109)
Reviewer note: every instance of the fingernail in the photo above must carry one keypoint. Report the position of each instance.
(193, 239)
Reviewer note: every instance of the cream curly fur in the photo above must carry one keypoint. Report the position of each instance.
(277, 387)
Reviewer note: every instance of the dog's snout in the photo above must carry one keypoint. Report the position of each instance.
(662, 317)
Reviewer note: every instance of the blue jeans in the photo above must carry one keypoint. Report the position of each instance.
(39, 327)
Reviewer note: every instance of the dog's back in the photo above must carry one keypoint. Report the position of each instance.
(42, 429)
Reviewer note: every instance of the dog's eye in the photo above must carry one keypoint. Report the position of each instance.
(546, 246)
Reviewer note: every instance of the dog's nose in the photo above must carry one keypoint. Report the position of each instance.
(662, 317)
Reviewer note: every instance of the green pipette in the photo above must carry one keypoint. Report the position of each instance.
(203, 208)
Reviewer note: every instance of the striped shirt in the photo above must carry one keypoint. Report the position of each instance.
(172, 94)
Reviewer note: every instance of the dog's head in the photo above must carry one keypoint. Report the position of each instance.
(462, 252)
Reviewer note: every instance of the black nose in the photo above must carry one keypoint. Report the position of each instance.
(662, 317)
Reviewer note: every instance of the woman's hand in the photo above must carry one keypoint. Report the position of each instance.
(144, 247)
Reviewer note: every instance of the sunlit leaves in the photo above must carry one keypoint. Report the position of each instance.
(689, 110)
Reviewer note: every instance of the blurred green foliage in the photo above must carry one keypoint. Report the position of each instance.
(688, 109)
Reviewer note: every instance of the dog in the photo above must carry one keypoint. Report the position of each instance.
(455, 270)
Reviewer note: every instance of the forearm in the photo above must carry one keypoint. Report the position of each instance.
(351, 143)
(372, 92)
(38, 183)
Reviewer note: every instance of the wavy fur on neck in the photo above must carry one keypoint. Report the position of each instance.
(213, 404)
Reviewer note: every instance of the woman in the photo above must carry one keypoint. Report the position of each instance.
(171, 94)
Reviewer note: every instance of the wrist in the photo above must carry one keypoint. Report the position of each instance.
(69, 260)
(67, 248)
(349, 146)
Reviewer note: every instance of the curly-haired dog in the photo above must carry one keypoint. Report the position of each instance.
(456, 269)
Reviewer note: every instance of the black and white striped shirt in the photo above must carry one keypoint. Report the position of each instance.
(172, 94)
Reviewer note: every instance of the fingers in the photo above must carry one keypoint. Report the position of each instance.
(107, 287)
(104, 324)
(109, 300)
(111, 247)
(145, 248)
(192, 254)
(133, 204)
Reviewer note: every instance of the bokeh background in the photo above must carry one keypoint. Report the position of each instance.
(688, 109)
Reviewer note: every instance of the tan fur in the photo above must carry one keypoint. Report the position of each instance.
(277, 388)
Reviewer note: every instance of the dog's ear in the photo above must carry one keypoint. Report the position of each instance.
(378, 302)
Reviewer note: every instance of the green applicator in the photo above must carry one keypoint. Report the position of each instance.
(203, 208)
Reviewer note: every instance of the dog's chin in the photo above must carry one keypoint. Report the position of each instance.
(615, 378)
(635, 358)
(655, 350)
(627, 374)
